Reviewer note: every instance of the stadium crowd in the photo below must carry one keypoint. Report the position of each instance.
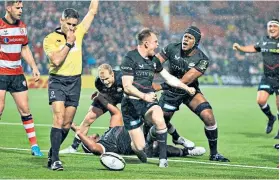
(112, 33)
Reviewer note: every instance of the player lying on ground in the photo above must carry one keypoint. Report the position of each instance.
(117, 140)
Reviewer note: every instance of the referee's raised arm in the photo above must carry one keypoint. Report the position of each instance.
(92, 11)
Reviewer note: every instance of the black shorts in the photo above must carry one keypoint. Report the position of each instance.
(65, 88)
(133, 111)
(96, 103)
(269, 85)
(13, 83)
(170, 102)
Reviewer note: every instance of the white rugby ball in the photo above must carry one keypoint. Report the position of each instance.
(112, 161)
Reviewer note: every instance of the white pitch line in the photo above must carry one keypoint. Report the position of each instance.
(170, 160)
(43, 125)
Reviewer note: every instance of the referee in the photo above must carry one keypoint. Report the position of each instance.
(64, 50)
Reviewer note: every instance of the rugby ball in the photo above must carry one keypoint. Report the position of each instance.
(112, 161)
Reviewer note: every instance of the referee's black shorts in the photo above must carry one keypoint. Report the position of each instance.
(65, 88)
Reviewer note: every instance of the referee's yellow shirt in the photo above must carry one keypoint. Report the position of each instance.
(72, 65)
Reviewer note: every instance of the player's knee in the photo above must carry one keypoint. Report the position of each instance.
(24, 111)
(209, 119)
(59, 119)
(261, 101)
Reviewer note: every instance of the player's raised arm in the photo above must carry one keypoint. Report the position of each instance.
(93, 7)
(27, 55)
(246, 49)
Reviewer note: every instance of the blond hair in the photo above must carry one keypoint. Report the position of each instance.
(107, 67)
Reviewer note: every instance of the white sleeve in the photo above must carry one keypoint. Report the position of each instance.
(170, 79)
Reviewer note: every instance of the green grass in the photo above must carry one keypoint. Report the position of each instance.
(242, 139)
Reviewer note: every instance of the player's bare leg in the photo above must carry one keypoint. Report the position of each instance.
(2, 101)
(262, 98)
(138, 143)
(21, 100)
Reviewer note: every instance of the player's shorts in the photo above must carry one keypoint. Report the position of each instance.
(65, 88)
(133, 111)
(13, 83)
(269, 85)
(170, 102)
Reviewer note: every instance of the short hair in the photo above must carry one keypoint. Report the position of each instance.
(143, 35)
(105, 67)
(11, 2)
(70, 13)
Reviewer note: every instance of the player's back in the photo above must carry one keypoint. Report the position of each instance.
(12, 38)
(116, 140)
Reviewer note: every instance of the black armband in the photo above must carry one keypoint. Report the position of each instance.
(164, 86)
(69, 45)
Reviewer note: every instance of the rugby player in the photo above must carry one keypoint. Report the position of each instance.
(110, 90)
(269, 47)
(187, 62)
(140, 101)
(13, 46)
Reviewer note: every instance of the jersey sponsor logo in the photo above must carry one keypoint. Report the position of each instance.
(7, 40)
(126, 68)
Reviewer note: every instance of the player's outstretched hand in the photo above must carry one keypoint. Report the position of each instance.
(191, 91)
(75, 128)
(150, 97)
(36, 74)
(235, 46)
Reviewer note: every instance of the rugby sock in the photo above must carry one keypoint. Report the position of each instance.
(56, 137)
(211, 133)
(76, 142)
(151, 137)
(29, 129)
(161, 136)
(172, 131)
(64, 134)
(266, 110)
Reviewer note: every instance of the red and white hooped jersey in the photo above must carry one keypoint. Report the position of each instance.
(12, 38)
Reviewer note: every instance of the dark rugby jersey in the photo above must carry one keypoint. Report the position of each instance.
(270, 52)
(116, 140)
(141, 69)
(179, 63)
(115, 92)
